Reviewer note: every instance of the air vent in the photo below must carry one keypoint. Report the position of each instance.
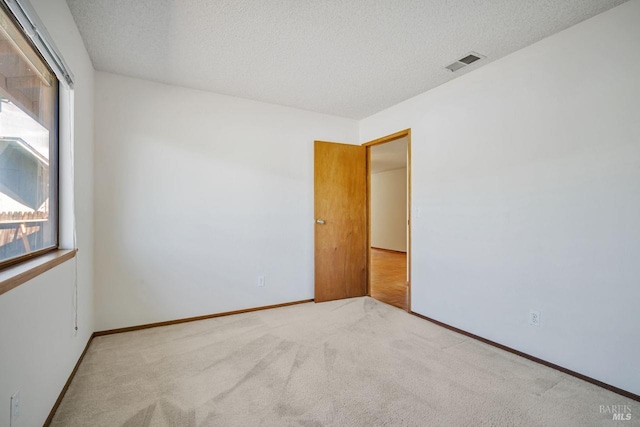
(463, 62)
(469, 59)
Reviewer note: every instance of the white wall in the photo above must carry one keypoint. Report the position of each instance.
(526, 190)
(38, 349)
(198, 194)
(389, 210)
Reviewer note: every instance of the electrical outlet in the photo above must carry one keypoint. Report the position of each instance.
(15, 408)
(261, 281)
(534, 317)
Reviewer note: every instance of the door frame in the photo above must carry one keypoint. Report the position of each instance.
(368, 145)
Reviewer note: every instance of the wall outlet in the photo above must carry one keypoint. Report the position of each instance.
(15, 408)
(534, 317)
(261, 281)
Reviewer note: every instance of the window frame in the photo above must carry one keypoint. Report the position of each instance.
(54, 150)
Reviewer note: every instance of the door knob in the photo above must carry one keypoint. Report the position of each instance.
(320, 221)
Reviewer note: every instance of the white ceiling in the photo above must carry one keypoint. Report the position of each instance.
(389, 156)
(347, 58)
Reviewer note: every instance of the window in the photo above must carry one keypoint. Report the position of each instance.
(28, 147)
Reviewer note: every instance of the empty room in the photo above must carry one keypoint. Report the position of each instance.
(319, 213)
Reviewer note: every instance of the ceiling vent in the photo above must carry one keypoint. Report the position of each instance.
(464, 61)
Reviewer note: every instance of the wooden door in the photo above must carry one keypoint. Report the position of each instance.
(341, 221)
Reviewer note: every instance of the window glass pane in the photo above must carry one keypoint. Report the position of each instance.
(28, 147)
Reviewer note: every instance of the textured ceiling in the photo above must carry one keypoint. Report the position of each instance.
(347, 58)
(389, 156)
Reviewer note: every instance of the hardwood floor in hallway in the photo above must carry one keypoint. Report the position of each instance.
(389, 277)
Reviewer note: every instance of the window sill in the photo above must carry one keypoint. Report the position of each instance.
(16, 275)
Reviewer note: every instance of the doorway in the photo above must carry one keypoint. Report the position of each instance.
(388, 161)
(343, 234)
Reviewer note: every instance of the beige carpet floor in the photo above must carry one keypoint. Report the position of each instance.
(354, 362)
